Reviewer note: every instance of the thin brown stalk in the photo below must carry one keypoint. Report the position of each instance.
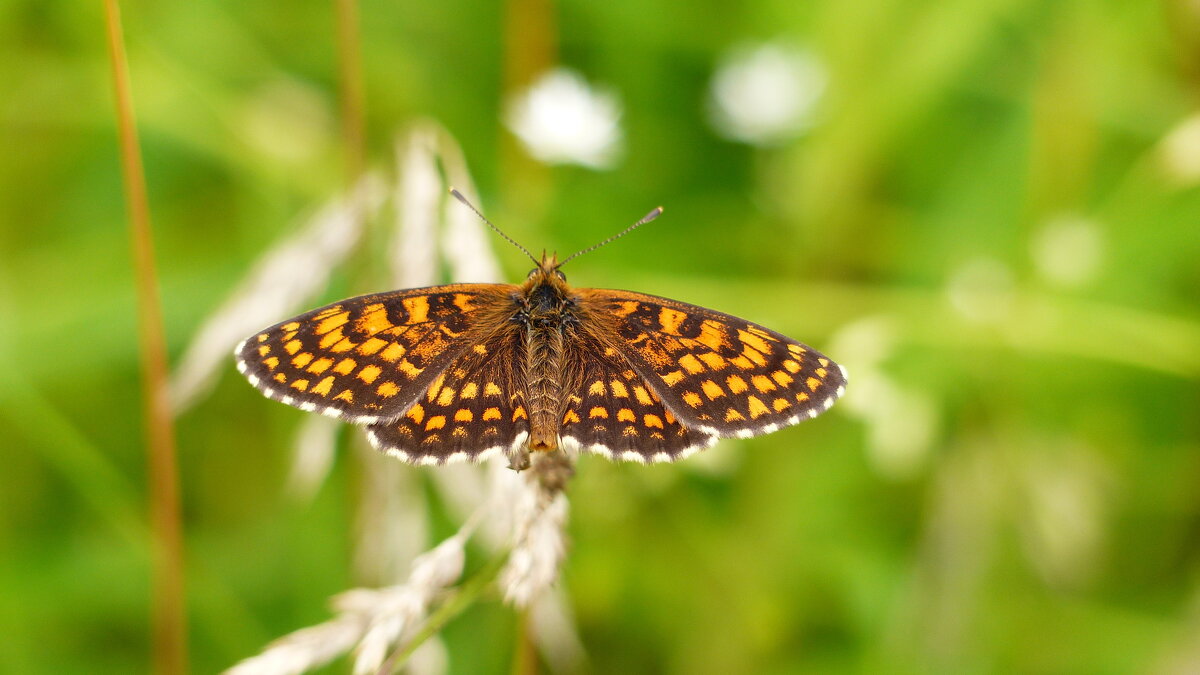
(168, 618)
(525, 654)
(350, 85)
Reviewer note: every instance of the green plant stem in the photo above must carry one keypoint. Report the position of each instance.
(169, 617)
(351, 89)
(458, 602)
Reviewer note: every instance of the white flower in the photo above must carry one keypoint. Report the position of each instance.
(561, 120)
(1180, 151)
(766, 94)
(1068, 250)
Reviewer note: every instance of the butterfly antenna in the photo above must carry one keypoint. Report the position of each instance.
(645, 219)
(459, 196)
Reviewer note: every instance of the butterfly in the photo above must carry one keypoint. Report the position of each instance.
(467, 371)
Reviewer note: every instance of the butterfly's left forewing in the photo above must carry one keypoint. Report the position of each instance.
(717, 373)
(367, 359)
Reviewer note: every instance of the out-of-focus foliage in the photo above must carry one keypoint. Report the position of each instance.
(988, 211)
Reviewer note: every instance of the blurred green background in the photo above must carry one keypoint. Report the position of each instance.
(986, 209)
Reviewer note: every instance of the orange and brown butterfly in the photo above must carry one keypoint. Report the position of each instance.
(465, 371)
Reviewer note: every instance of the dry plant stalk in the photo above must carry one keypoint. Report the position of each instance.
(169, 617)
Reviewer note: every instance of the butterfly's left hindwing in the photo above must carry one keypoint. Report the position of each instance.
(368, 358)
(718, 374)
(473, 409)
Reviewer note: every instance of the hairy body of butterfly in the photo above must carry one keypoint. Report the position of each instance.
(466, 370)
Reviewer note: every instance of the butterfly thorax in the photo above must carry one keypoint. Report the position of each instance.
(546, 314)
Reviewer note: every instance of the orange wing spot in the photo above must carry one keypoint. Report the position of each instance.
(690, 364)
(736, 384)
(812, 383)
(291, 326)
(627, 374)
(388, 389)
(344, 345)
(754, 341)
(618, 389)
(824, 362)
(374, 320)
(781, 404)
(570, 418)
(732, 415)
(575, 400)
(792, 366)
(802, 396)
(345, 366)
(432, 392)
(782, 378)
(416, 413)
(796, 349)
(629, 431)
(463, 302)
(369, 373)
(331, 338)
(459, 432)
(490, 389)
(417, 308)
(446, 396)
(670, 320)
(757, 407)
(754, 355)
(302, 385)
(410, 371)
(763, 383)
(393, 352)
(347, 396)
(761, 333)
(597, 388)
(324, 386)
(625, 308)
(652, 421)
(692, 399)
(263, 337)
(263, 350)
(463, 415)
(742, 362)
(371, 346)
(435, 422)
(714, 360)
(668, 417)
(712, 335)
(519, 413)
(327, 312)
(609, 351)
(673, 378)
(821, 372)
(491, 414)
(469, 390)
(293, 346)
(271, 363)
(332, 322)
(320, 365)
(712, 390)
(626, 415)
(288, 336)
(280, 377)
(642, 395)
(598, 411)
(480, 350)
